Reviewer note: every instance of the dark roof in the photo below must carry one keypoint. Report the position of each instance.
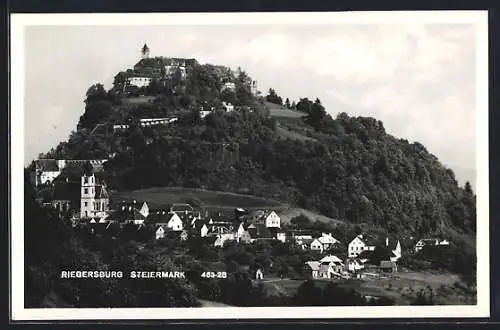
(198, 224)
(66, 192)
(370, 240)
(274, 231)
(133, 203)
(186, 218)
(47, 164)
(181, 208)
(121, 215)
(222, 215)
(365, 254)
(259, 231)
(158, 217)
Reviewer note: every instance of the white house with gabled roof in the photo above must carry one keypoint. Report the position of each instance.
(328, 241)
(316, 245)
(175, 223)
(358, 245)
(272, 219)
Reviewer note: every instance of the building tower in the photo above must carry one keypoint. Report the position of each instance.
(94, 197)
(145, 51)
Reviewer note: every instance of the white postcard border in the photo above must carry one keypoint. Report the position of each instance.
(20, 21)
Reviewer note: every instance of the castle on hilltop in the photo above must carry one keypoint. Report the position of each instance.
(150, 68)
(161, 69)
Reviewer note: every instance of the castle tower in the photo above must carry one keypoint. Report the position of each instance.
(145, 51)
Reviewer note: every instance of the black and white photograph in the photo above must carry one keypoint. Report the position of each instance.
(301, 165)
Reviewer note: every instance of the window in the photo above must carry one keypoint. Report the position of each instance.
(86, 204)
(86, 191)
(85, 179)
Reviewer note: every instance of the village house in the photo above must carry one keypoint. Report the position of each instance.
(223, 238)
(46, 170)
(139, 80)
(316, 245)
(259, 274)
(330, 267)
(278, 233)
(259, 231)
(326, 270)
(395, 246)
(245, 238)
(175, 222)
(430, 242)
(147, 122)
(313, 267)
(158, 220)
(240, 231)
(358, 245)
(272, 219)
(120, 127)
(228, 106)
(304, 241)
(141, 206)
(328, 241)
(354, 265)
(204, 113)
(228, 86)
(159, 233)
(126, 214)
(164, 222)
(387, 266)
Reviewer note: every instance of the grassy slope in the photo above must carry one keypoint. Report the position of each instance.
(138, 100)
(162, 197)
(276, 110)
(286, 117)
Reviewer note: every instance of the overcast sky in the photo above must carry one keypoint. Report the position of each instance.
(418, 79)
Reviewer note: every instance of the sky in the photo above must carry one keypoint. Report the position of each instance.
(418, 79)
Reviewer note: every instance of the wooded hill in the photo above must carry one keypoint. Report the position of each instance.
(347, 168)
